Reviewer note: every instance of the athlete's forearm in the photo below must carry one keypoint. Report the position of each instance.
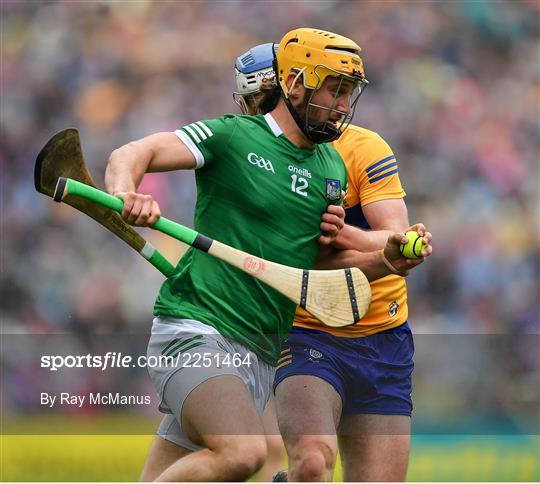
(385, 217)
(370, 263)
(351, 237)
(126, 168)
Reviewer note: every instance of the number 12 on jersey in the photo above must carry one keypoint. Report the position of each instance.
(299, 185)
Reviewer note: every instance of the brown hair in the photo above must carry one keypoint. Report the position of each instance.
(269, 99)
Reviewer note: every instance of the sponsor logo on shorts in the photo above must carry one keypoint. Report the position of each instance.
(393, 309)
(315, 354)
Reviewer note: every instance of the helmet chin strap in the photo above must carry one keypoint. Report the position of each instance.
(315, 132)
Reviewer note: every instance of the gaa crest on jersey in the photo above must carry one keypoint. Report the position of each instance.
(393, 309)
(259, 161)
(333, 189)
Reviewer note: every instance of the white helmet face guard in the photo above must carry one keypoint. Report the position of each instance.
(248, 103)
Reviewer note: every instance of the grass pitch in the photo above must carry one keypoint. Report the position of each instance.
(121, 457)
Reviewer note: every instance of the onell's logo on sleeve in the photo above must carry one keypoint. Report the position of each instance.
(333, 189)
(259, 161)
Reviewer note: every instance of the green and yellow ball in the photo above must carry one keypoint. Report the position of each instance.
(414, 247)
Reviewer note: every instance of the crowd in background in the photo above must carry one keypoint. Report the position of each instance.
(454, 89)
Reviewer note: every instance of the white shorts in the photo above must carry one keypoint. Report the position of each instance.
(191, 353)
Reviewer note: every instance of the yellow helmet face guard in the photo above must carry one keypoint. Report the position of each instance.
(308, 119)
(327, 130)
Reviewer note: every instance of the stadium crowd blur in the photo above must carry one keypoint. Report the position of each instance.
(454, 89)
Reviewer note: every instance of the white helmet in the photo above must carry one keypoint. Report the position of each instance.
(254, 72)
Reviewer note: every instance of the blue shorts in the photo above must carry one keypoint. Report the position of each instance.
(372, 374)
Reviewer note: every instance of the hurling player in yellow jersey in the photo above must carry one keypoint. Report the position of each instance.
(347, 388)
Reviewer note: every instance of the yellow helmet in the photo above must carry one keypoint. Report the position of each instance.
(317, 54)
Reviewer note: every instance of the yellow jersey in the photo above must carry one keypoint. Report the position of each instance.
(373, 175)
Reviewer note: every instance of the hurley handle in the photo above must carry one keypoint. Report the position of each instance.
(68, 186)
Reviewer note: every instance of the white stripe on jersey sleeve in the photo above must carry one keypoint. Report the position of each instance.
(199, 157)
(199, 130)
(206, 128)
(192, 134)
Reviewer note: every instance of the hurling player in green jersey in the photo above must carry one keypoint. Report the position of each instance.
(263, 183)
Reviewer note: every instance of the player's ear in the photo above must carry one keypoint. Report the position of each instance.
(295, 85)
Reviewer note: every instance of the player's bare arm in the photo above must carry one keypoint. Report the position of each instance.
(385, 217)
(373, 264)
(128, 164)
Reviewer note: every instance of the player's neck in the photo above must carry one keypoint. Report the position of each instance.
(290, 129)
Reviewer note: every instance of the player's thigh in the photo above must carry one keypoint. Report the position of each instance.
(161, 455)
(220, 409)
(374, 447)
(202, 387)
(307, 405)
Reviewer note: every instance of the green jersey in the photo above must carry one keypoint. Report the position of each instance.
(257, 192)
